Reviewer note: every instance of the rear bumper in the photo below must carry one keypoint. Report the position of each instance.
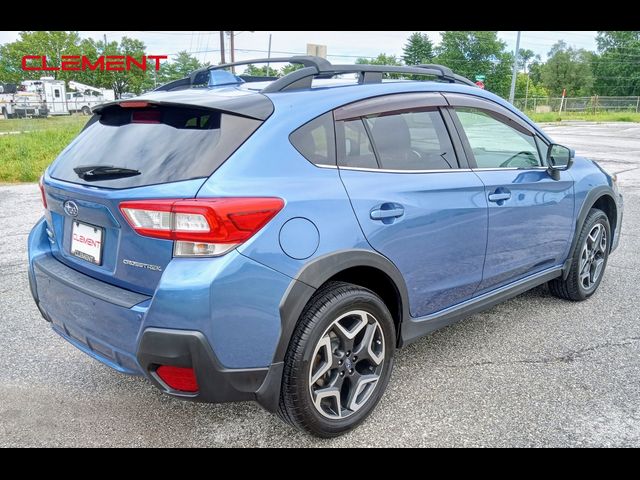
(134, 333)
(185, 348)
(100, 319)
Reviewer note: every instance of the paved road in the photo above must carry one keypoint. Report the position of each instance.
(535, 371)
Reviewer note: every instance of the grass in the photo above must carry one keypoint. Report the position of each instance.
(24, 156)
(585, 116)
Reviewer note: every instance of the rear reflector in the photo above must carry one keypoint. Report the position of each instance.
(42, 193)
(207, 227)
(178, 378)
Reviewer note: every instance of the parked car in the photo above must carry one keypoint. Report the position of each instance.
(278, 241)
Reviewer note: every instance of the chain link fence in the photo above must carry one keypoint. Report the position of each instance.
(592, 104)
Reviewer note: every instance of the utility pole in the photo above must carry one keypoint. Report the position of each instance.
(222, 47)
(526, 92)
(231, 47)
(269, 56)
(512, 91)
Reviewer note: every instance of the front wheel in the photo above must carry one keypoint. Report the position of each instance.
(589, 259)
(339, 360)
(86, 110)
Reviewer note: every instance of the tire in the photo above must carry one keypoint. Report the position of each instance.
(320, 342)
(86, 110)
(589, 260)
(5, 115)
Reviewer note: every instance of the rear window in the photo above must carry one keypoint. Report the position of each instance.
(164, 144)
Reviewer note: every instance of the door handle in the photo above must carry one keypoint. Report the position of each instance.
(387, 211)
(500, 195)
(496, 197)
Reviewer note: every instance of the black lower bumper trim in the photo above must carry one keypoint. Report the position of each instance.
(187, 348)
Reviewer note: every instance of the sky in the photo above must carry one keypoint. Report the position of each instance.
(342, 47)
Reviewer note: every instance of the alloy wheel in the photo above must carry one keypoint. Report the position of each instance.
(346, 364)
(593, 256)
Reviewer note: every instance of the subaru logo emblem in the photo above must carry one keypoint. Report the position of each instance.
(71, 208)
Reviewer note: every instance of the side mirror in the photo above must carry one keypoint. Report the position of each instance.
(559, 158)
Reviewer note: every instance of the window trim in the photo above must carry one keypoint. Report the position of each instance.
(473, 164)
(454, 135)
(538, 139)
(389, 104)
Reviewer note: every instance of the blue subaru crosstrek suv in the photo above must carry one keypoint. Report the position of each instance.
(277, 241)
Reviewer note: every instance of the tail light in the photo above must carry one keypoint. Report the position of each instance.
(207, 227)
(44, 195)
(178, 378)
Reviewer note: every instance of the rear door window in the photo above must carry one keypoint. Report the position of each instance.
(164, 144)
(416, 140)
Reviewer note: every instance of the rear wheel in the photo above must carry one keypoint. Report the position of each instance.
(5, 115)
(589, 259)
(86, 110)
(339, 360)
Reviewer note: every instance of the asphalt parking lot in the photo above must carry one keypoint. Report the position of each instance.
(534, 371)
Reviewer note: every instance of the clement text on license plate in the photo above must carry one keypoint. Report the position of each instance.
(86, 242)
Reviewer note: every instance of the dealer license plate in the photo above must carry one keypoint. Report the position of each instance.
(86, 242)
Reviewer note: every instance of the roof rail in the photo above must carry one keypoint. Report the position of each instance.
(447, 73)
(317, 67)
(201, 76)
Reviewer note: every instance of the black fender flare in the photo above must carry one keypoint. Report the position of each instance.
(301, 289)
(592, 197)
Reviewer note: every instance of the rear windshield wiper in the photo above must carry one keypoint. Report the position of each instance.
(101, 172)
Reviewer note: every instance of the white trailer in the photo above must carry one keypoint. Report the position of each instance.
(52, 93)
(86, 97)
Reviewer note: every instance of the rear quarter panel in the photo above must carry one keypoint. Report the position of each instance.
(268, 165)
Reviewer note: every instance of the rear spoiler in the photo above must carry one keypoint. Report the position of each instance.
(255, 106)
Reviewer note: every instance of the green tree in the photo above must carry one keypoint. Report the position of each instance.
(182, 65)
(617, 67)
(254, 71)
(135, 80)
(568, 68)
(381, 59)
(535, 90)
(288, 68)
(525, 58)
(471, 53)
(55, 44)
(271, 71)
(535, 72)
(417, 50)
(51, 44)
